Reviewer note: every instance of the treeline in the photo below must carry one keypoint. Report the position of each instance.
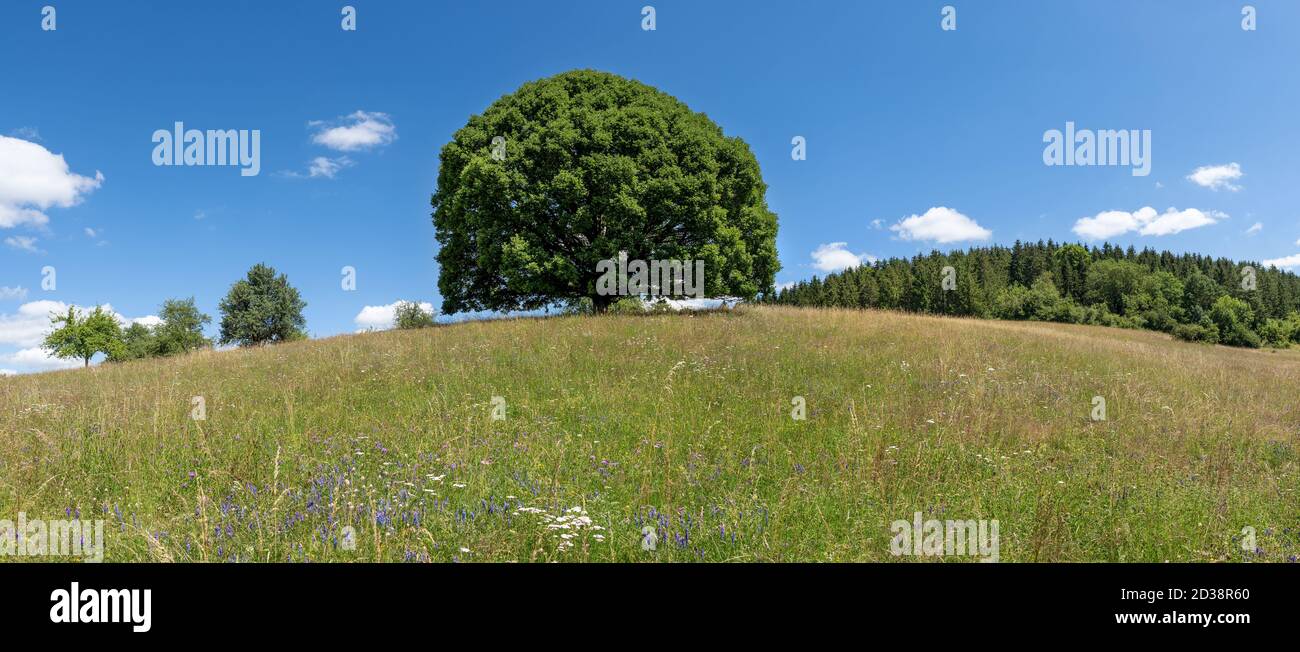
(261, 308)
(1193, 297)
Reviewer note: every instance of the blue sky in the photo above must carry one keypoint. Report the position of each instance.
(901, 118)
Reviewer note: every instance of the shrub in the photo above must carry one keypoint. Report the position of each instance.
(1197, 333)
(408, 315)
(1279, 333)
(627, 306)
(1233, 317)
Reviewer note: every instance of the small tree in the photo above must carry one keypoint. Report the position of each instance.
(75, 336)
(409, 314)
(182, 328)
(262, 308)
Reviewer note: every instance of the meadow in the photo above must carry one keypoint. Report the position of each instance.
(678, 422)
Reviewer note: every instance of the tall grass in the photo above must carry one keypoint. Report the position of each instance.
(680, 423)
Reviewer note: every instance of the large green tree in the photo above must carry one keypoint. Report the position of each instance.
(80, 336)
(262, 309)
(572, 169)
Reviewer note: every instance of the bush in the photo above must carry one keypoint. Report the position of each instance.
(1099, 315)
(408, 315)
(1233, 317)
(1197, 333)
(1278, 333)
(627, 306)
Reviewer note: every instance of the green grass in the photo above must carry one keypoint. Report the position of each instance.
(679, 420)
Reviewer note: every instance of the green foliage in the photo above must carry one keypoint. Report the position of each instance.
(590, 164)
(1199, 293)
(138, 342)
(409, 315)
(1110, 280)
(1071, 263)
(1233, 317)
(1281, 333)
(1042, 302)
(1202, 332)
(181, 330)
(80, 336)
(262, 309)
(1104, 285)
(627, 306)
(1156, 302)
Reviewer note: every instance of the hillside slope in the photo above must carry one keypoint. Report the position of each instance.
(683, 423)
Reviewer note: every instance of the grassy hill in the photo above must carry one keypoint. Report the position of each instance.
(678, 421)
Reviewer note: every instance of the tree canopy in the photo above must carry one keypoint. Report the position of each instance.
(572, 169)
(80, 336)
(262, 309)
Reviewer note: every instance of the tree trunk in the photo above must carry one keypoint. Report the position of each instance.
(600, 303)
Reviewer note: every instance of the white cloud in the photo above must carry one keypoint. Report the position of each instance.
(8, 372)
(28, 326)
(382, 317)
(1217, 177)
(147, 320)
(360, 130)
(1175, 221)
(32, 179)
(1145, 221)
(36, 359)
(835, 256)
(323, 166)
(7, 293)
(23, 243)
(1255, 228)
(877, 224)
(1111, 223)
(1288, 261)
(90, 233)
(784, 286)
(940, 224)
